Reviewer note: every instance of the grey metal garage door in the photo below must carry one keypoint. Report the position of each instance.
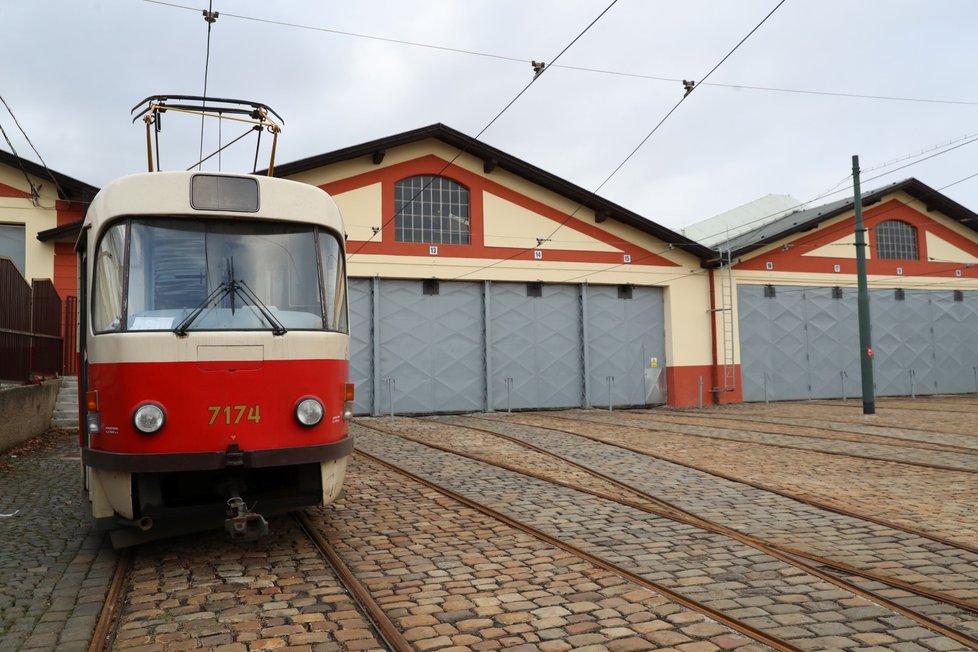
(535, 337)
(624, 329)
(956, 342)
(424, 343)
(801, 342)
(903, 344)
(361, 344)
(431, 346)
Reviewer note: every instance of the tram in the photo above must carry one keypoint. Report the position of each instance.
(214, 347)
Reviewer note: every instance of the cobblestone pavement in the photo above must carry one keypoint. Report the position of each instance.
(941, 415)
(937, 501)
(713, 569)
(774, 518)
(54, 568)
(716, 429)
(452, 578)
(836, 429)
(206, 591)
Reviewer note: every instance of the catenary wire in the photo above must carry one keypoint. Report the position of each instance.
(489, 55)
(830, 231)
(801, 205)
(641, 143)
(39, 157)
(209, 18)
(482, 131)
(702, 82)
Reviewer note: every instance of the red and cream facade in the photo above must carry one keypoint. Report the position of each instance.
(49, 210)
(525, 227)
(793, 313)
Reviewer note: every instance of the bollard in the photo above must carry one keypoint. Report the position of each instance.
(509, 391)
(701, 392)
(842, 376)
(390, 395)
(913, 394)
(611, 382)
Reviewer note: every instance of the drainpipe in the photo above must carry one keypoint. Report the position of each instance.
(714, 377)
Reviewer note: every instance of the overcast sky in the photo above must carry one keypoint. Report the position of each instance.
(73, 69)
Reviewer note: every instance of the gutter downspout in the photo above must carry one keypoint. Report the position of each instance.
(713, 333)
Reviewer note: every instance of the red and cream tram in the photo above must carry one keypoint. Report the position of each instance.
(214, 351)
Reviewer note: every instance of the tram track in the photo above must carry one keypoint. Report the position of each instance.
(112, 605)
(718, 616)
(850, 412)
(806, 562)
(383, 626)
(664, 508)
(686, 431)
(770, 427)
(802, 498)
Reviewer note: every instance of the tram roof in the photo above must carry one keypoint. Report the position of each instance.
(169, 193)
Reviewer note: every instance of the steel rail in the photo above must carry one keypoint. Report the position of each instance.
(883, 440)
(960, 545)
(383, 625)
(670, 510)
(717, 616)
(112, 604)
(599, 419)
(784, 553)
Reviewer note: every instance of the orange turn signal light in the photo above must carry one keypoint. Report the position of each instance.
(349, 391)
(91, 400)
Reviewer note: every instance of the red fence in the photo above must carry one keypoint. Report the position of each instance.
(70, 358)
(30, 327)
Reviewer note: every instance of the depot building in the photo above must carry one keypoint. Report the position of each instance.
(480, 282)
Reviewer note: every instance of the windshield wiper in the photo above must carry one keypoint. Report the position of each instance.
(247, 293)
(219, 293)
(232, 288)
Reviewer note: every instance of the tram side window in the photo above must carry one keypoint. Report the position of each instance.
(107, 297)
(333, 281)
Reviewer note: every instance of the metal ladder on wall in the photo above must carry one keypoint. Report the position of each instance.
(725, 310)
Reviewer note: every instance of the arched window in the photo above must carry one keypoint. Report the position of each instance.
(431, 209)
(896, 240)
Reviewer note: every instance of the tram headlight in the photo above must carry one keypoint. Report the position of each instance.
(309, 412)
(148, 418)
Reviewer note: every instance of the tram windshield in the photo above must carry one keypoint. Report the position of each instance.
(182, 275)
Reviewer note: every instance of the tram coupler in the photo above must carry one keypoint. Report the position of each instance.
(242, 523)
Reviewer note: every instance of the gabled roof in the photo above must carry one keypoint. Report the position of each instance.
(809, 219)
(497, 158)
(69, 189)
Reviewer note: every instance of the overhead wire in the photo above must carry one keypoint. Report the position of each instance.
(461, 151)
(209, 17)
(831, 231)
(553, 63)
(36, 198)
(641, 143)
(802, 205)
(490, 55)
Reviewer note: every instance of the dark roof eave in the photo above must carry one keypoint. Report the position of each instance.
(911, 186)
(71, 189)
(510, 164)
(65, 233)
